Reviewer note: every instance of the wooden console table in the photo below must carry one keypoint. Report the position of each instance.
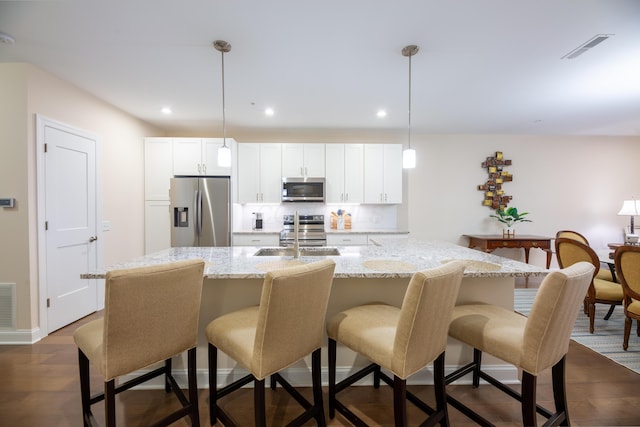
(491, 242)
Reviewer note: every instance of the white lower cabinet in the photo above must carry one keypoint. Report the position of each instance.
(157, 226)
(347, 239)
(257, 239)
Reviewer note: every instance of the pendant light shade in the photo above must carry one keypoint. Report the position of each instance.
(409, 158)
(224, 152)
(409, 154)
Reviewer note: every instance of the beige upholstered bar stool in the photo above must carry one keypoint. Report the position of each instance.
(287, 326)
(150, 315)
(570, 251)
(402, 340)
(532, 344)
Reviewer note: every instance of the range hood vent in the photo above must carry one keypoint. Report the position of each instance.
(591, 43)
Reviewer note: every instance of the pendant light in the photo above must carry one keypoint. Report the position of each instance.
(409, 154)
(224, 152)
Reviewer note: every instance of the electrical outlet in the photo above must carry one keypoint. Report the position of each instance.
(106, 225)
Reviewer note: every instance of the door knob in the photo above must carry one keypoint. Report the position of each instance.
(93, 238)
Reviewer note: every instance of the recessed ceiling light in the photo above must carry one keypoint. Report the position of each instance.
(166, 110)
(269, 112)
(381, 113)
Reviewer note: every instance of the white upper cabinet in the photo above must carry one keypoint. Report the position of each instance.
(303, 160)
(345, 173)
(259, 173)
(158, 168)
(383, 173)
(196, 156)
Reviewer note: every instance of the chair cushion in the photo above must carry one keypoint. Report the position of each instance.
(234, 334)
(489, 328)
(369, 330)
(88, 338)
(634, 307)
(608, 291)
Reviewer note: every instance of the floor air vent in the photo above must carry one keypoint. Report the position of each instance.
(7, 305)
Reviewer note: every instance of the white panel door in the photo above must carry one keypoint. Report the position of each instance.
(71, 235)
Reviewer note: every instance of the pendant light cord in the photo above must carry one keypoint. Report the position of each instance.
(410, 55)
(224, 118)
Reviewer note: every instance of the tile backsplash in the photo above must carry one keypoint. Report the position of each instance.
(363, 217)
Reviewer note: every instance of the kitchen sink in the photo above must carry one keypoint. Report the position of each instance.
(306, 251)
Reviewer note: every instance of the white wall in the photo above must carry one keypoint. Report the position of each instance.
(565, 182)
(28, 91)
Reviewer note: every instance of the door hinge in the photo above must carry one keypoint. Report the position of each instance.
(48, 302)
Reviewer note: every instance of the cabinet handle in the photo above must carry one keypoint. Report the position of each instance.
(385, 197)
(305, 171)
(346, 197)
(198, 166)
(204, 168)
(257, 197)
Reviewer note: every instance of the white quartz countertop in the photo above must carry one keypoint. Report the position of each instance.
(390, 258)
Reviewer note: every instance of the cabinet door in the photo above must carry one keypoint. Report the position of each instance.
(393, 173)
(187, 156)
(303, 160)
(210, 157)
(157, 226)
(353, 173)
(373, 173)
(314, 160)
(292, 160)
(249, 173)
(270, 173)
(158, 168)
(335, 171)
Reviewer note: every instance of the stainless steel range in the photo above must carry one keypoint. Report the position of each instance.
(310, 231)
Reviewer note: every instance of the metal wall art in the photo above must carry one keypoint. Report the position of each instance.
(494, 196)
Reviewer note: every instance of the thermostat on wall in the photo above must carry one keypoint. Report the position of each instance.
(7, 203)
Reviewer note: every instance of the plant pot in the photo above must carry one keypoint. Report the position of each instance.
(508, 233)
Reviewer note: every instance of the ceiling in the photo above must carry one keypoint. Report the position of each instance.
(484, 66)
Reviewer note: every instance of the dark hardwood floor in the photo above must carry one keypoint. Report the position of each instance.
(39, 387)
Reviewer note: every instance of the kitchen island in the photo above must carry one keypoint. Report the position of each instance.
(376, 272)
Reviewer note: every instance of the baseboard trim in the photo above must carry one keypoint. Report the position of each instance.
(301, 377)
(20, 337)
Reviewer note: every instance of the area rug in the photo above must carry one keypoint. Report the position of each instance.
(607, 336)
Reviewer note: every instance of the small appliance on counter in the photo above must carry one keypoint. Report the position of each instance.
(257, 220)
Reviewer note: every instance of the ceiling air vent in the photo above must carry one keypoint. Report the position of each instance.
(591, 43)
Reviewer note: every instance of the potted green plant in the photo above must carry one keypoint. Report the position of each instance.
(510, 216)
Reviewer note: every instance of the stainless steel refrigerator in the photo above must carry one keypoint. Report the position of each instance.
(200, 210)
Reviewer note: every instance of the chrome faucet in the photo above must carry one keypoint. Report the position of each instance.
(296, 242)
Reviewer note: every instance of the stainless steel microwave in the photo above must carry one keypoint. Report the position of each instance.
(303, 189)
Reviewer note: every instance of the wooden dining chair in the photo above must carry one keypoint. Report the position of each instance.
(603, 273)
(627, 260)
(569, 252)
